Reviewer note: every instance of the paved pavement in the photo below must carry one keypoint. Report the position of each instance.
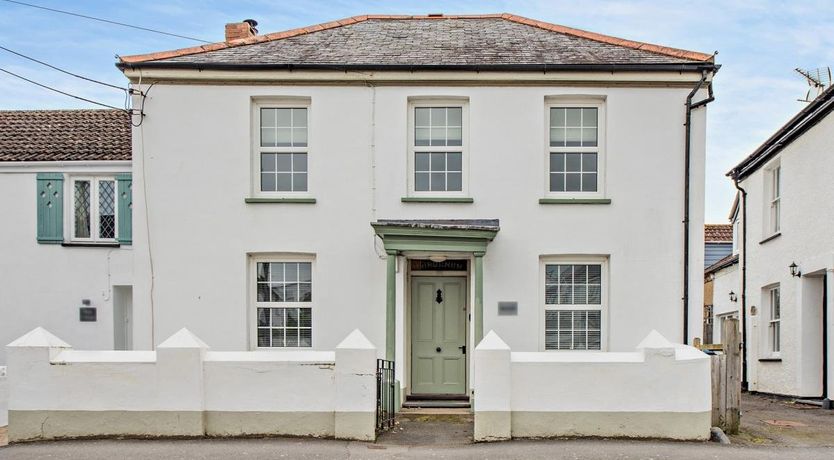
(241, 449)
(434, 435)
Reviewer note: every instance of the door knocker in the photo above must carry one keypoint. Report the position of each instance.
(439, 298)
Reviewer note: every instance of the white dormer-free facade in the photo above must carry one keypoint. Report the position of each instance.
(424, 179)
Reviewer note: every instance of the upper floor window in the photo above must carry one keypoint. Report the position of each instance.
(281, 148)
(575, 150)
(93, 204)
(573, 305)
(437, 155)
(775, 193)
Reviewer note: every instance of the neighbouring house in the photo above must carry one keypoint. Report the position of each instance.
(787, 260)
(718, 242)
(720, 252)
(425, 179)
(67, 264)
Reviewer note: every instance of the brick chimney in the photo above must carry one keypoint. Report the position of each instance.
(241, 30)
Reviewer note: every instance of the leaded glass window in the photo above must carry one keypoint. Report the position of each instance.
(284, 304)
(94, 210)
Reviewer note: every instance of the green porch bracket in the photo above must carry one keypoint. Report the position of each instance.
(479, 296)
(391, 305)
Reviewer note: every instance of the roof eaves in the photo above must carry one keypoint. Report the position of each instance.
(727, 261)
(807, 118)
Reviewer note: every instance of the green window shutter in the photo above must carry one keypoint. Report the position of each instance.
(50, 208)
(125, 207)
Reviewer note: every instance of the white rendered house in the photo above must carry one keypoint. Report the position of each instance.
(65, 194)
(787, 263)
(425, 180)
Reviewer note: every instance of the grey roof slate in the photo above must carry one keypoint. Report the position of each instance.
(64, 135)
(492, 41)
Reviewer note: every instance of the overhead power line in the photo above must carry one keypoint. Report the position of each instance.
(62, 70)
(70, 13)
(60, 92)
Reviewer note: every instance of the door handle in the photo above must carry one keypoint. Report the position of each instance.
(462, 349)
(438, 349)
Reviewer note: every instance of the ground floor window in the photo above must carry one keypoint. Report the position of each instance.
(774, 326)
(283, 302)
(573, 306)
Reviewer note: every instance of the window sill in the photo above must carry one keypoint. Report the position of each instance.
(770, 360)
(78, 244)
(574, 200)
(436, 199)
(771, 237)
(288, 200)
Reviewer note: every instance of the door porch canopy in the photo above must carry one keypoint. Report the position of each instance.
(468, 236)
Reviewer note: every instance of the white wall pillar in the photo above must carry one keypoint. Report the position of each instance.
(492, 383)
(179, 363)
(355, 388)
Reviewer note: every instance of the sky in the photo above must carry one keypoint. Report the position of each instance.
(760, 43)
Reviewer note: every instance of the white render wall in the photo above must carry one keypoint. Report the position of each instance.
(184, 389)
(662, 390)
(193, 150)
(806, 238)
(44, 284)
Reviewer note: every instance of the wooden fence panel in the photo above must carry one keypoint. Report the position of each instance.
(726, 381)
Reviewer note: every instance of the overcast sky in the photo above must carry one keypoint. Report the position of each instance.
(759, 45)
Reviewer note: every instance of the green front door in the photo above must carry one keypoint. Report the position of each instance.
(438, 335)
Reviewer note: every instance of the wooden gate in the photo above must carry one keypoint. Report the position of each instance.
(726, 378)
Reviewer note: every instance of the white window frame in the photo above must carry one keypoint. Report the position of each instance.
(604, 301)
(95, 218)
(600, 149)
(776, 199)
(774, 325)
(252, 288)
(417, 102)
(290, 102)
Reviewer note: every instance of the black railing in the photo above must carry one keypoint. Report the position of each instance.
(385, 394)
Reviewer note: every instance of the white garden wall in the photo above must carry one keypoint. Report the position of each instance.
(662, 390)
(183, 389)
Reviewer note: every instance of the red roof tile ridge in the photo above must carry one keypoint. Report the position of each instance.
(657, 49)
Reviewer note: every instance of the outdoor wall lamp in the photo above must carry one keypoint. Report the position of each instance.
(733, 297)
(437, 259)
(795, 270)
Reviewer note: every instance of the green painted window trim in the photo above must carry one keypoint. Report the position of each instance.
(574, 200)
(50, 208)
(281, 200)
(124, 206)
(436, 199)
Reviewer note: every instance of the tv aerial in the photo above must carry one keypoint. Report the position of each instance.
(818, 80)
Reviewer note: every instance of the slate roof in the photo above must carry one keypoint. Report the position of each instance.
(808, 117)
(725, 262)
(64, 135)
(423, 42)
(718, 233)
